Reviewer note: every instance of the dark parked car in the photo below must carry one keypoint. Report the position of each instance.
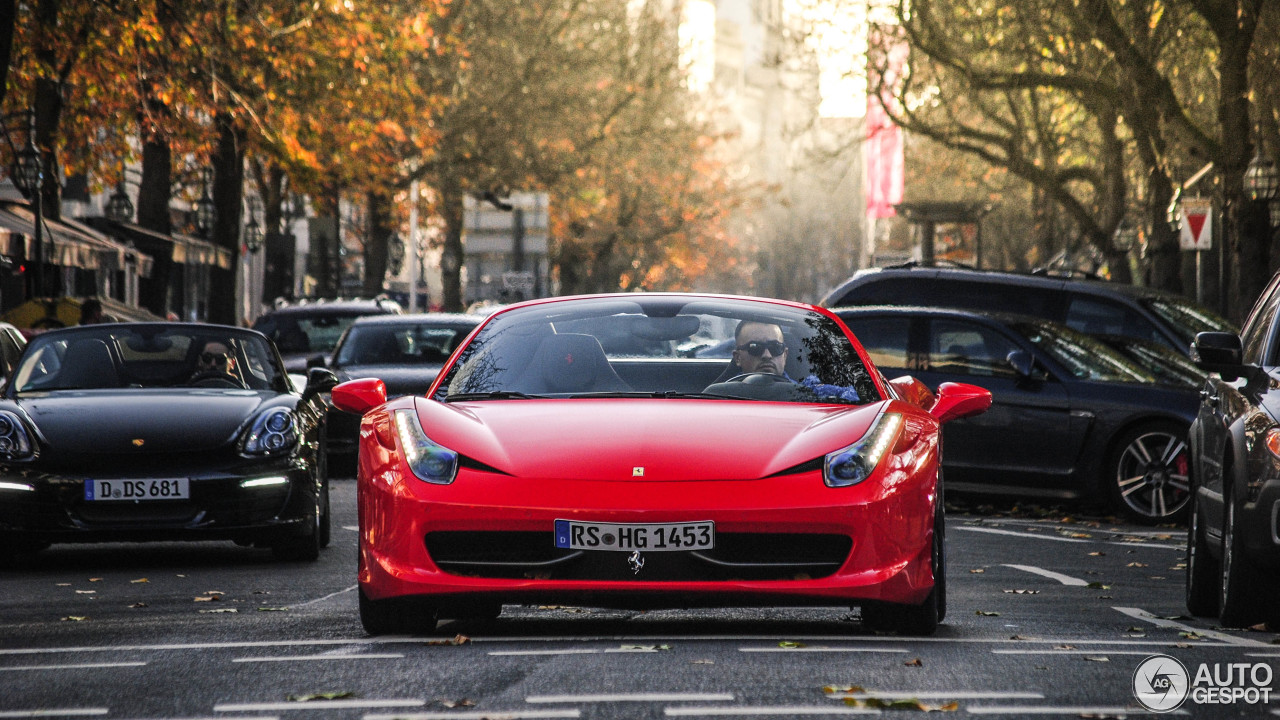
(1069, 417)
(405, 352)
(1233, 553)
(161, 431)
(307, 333)
(1090, 306)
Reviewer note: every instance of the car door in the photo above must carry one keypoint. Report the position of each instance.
(1028, 438)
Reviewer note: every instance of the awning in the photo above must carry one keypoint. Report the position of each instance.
(178, 248)
(66, 242)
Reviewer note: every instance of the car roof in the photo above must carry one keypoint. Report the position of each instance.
(1003, 318)
(1003, 277)
(420, 318)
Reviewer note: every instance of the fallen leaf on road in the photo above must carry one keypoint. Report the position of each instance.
(273, 609)
(86, 592)
(987, 613)
(206, 598)
(855, 689)
(63, 584)
(1098, 586)
(1097, 554)
(343, 695)
(74, 618)
(790, 644)
(1022, 592)
(1064, 647)
(1096, 658)
(914, 663)
(139, 580)
(899, 704)
(1181, 645)
(1019, 637)
(645, 648)
(1135, 628)
(220, 610)
(455, 640)
(977, 571)
(703, 662)
(458, 703)
(138, 605)
(95, 579)
(1136, 564)
(1191, 635)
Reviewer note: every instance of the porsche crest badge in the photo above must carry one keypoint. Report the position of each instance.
(139, 442)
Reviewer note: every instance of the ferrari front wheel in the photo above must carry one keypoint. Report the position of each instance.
(919, 619)
(396, 616)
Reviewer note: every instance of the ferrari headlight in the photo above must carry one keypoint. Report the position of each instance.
(273, 432)
(15, 442)
(855, 463)
(429, 461)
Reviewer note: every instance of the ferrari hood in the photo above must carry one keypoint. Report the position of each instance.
(107, 421)
(658, 440)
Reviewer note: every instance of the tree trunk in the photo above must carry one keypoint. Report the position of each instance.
(153, 190)
(228, 194)
(451, 212)
(377, 238)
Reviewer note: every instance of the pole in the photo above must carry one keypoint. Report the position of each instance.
(1199, 279)
(414, 260)
(38, 203)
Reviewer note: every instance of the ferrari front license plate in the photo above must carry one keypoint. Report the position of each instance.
(148, 489)
(648, 537)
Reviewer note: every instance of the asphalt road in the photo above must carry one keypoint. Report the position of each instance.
(1048, 617)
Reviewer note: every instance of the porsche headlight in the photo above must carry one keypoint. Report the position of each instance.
(15, 441)
(273, 432)
(855, 463)
(429, 461)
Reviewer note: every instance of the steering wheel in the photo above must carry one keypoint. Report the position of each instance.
(215, 379)
(757, 378)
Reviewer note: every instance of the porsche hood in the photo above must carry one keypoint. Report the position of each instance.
(132, 421)
(658, 440)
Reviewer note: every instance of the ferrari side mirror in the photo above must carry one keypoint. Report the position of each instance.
(359, 396)
(957, 400)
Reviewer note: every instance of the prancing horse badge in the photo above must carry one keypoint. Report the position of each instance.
(636, 561)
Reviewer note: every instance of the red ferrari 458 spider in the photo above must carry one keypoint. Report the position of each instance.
(591, 450)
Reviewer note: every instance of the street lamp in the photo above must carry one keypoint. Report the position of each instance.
(119, 206)
(28, 175)
(206, 211)
(253, 234)
(1262, 183)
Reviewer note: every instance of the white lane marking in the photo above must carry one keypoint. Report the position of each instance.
(75, 666)
(326, 597)
(1038, 536)
(821, 649)
(631, 697)
(315, 705)
(1140, 614)
(306, 658)
(1071, 652)
(580, 651)
(478, 715)
(1262, 654)
(941, 695)
(783, 710)
(1064, 579)
(1083, 711)
(52, 712)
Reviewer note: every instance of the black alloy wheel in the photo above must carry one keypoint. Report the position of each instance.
(1147, 473)
(304, 547)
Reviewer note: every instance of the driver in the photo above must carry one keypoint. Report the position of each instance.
(215, 361)
(759, 348)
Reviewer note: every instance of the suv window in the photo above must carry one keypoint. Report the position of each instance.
(884, 338)
(985, 296)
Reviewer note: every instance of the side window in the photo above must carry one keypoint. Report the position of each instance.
(1254, 335)
(886, 339)
(966, 348)
(1099, 316)
(891, 290)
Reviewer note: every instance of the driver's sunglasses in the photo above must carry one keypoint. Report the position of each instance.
(757, 348)
(209, 358)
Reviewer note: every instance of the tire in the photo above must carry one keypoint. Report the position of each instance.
(919, 619)
(1240, 602)
(1146, 473)
(304, 548)
(399, 616)
(1203, 570)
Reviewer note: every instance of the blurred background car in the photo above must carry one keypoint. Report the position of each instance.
(161, 431)
(405, 352)
(306, 333)
(1089, 306)
(1070, 418)
(1233, 537)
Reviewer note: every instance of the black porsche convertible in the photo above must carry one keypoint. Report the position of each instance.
(161, 431)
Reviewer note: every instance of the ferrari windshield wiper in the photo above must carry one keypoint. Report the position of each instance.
(494, 395)
(655, 394)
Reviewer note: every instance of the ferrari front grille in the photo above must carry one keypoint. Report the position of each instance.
(737, 556)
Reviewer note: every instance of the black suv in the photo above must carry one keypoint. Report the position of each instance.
(307, 332)
(1090, 306)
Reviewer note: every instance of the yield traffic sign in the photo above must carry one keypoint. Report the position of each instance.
(1197, 224)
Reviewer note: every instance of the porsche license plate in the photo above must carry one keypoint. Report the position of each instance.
(148, 489)
(649, 537)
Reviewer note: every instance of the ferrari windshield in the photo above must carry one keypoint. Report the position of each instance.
(147, 355)
(661, 345)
